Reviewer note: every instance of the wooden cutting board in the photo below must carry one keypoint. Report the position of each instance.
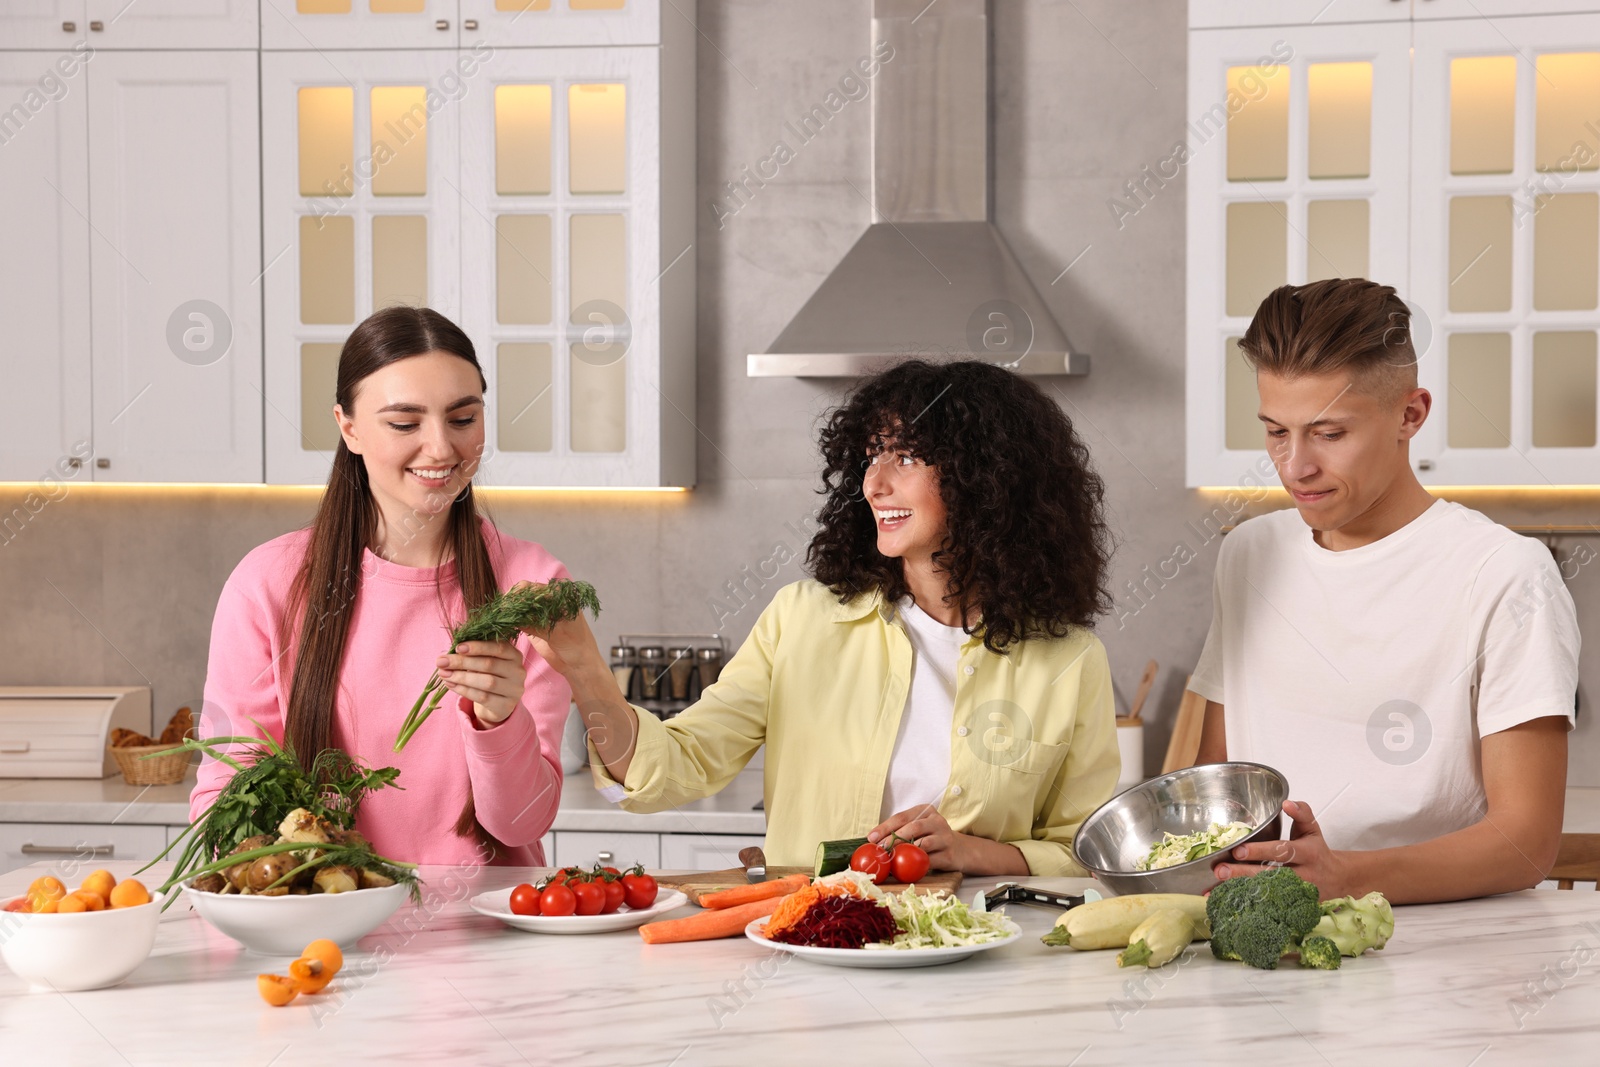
(712, 881)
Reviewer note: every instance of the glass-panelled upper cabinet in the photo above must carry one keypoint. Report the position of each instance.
(1506, 248)
(546, 23)
(1295, 174)
(361, 213)
(563, 202)
(296, 25)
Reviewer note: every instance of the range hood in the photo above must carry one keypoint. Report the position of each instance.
(931, 276)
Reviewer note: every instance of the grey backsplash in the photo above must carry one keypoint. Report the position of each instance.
(119, 587)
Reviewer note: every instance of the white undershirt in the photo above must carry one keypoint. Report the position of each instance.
(919, 767)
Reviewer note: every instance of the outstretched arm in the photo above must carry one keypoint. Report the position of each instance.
(1512, 847)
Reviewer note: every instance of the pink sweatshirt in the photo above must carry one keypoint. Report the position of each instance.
(395, 635)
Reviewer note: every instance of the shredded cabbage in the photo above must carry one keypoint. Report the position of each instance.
(939, 920)
(1181, 848)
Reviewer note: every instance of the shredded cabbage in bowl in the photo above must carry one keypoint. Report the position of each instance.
(1174, 849)
(931, 920)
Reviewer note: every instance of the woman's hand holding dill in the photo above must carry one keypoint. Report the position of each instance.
(489, 674)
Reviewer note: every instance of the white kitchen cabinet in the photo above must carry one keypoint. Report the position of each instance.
(1482, 207)
(362, 210)
(316, 25)
(75, 849)
(175, 261)
(1505, 225)
(1297, 170)
(621, 850)
(45, 416)
(548, 23)
(703, 852)
(46, 24)
(1424, 10)
(118, 24)
(549, 211)
(578, 264)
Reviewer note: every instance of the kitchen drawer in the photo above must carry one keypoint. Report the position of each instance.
(75, 849)
(703, 852)
(620, 850)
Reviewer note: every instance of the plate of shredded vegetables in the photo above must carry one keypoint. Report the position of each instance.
(1174, 849)
(846, 921)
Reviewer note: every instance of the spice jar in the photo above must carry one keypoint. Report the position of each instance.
(708, 664)
(680, 665)
(651, 668)
(623, 664)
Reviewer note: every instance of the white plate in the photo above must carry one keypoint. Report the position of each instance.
(878, 957)
(497, 905)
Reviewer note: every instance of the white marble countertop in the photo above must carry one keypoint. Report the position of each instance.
(438, 981)
(111, 800)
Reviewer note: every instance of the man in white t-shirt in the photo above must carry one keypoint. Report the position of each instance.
(1409, 665)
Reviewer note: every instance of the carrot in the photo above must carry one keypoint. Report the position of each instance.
(745, 894)
(708, 925)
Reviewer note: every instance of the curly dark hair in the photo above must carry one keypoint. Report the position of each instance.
(1027, 544)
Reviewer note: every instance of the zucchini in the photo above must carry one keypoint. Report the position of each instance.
(1158, 939)
(1110, 922)
(834, 856)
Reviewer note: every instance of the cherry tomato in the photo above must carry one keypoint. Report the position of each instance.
(871, 860)
(639, 889)
(615, 895)
(524, 900)
(590, 897)
(611, 871)
(557, 900)
(908, 862)
(19, 904)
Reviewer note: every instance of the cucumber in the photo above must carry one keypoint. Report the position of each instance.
(834, 856)
(1110, 922)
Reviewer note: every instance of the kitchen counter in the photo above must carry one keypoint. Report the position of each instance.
(111, 800)
(1452, 988)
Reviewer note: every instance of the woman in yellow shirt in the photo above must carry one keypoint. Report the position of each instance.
(937, 677)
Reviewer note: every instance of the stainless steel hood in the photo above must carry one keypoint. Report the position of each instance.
(931, 276)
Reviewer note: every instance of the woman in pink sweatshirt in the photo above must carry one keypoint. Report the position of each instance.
(325, 636)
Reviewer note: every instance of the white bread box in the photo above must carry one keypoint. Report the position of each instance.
(63, 731)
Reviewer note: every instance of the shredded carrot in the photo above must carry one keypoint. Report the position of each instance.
(793, 907)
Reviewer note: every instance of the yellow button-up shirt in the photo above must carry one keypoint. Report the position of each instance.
(1033, 745)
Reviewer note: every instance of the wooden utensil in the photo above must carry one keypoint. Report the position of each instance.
(711, 881)
(1146, 680)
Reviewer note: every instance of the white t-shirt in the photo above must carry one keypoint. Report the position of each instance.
(919, 766)
(1368, 676)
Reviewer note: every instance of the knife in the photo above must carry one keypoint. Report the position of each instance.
(754, 862)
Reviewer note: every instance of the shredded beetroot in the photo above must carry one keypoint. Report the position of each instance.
(839, 922)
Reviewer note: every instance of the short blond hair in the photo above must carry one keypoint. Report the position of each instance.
(1341, 324)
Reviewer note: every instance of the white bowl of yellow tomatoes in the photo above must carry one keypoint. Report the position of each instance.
(89, 938)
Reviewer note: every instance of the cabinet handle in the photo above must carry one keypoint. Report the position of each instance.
(14, 748)
(470, 24)
(74, 462)
(97, 26)
(69, 27)
(605, 859)
(1424, 464)
(442, 24)
(103, 463)
(68, 850)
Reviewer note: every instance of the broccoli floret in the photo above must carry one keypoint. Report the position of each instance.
(1260, 918)
(1319, 952)
(1357, 925)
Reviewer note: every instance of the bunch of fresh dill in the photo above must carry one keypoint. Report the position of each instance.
(521, 608)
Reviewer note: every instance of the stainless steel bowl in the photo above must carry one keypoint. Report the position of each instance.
(1122, 830)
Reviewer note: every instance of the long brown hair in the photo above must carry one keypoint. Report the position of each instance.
(346, 523)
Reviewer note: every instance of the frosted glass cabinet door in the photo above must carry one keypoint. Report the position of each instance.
(296, 25)
(1296, 171)
(1505, 238)
(48, 24)
(44, 294)
(563, 266)
(175, 260)
(361, 212)
(174, 23)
